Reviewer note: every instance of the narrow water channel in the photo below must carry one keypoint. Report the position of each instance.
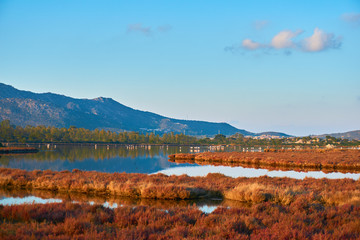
(195, 171)
(18, 197)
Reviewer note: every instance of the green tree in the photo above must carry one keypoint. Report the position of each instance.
(220, 138)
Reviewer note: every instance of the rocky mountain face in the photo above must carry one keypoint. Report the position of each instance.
(27, 108)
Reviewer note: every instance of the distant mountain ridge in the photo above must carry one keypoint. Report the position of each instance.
(351, 135)
(27, 108)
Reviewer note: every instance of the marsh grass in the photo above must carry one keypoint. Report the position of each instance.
(282, 191)
(299, 220)
(258, 193)
(327, 159)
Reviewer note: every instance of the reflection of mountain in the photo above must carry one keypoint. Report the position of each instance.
(88, 159)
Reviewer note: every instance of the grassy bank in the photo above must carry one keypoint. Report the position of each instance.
(7, 150)
(335, 159)
(282, 191)
(263, 166)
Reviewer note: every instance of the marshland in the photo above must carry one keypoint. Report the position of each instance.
(179, 119)
(318, 159)
(147, 186)
(116, 190)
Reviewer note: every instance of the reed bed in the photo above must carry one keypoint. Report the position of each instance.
(299, 220)
(281, 191)
(262, 166)
(332, 159)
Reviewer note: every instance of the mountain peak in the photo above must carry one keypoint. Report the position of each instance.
(104, 99)
(27, 108)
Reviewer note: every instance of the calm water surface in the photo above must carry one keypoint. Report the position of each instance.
(103, 158)
(25, 196)
(8, 201)
(141, 159)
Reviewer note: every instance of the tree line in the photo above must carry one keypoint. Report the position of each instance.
(42, 134)
(39, 134)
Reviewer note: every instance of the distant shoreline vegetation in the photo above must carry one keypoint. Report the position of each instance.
(45, 134)
(319, 159)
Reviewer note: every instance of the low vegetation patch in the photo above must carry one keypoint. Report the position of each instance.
(299, 220)
(281, 191)
(332, 159)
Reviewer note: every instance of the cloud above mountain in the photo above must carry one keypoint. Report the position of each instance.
(250, 44)
(321, 41)
(288, 41)
(284, 39)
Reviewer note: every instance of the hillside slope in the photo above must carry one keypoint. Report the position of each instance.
(346, 135)
(27, 108)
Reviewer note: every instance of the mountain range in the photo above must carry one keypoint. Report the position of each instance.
(351, 135)
(27, 108)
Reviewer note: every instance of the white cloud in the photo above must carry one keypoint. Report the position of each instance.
(284, 39)
(249, 44)
(320, 41)
(353, 18)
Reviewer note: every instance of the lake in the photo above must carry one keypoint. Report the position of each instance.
(142, 159)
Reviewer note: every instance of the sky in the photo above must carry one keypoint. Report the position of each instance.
(287, 66)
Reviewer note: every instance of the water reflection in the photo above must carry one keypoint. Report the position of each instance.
(103, 158)
(253, 172)
(144, 159)
(21, 196)
(207, 209)
(26, 200)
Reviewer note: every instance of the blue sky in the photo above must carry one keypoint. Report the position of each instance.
(260, 65)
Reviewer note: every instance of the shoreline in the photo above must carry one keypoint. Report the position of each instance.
(283, 168)
(9, 150)
(328, 160)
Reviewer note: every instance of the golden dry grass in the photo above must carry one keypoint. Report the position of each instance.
(282, 191)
